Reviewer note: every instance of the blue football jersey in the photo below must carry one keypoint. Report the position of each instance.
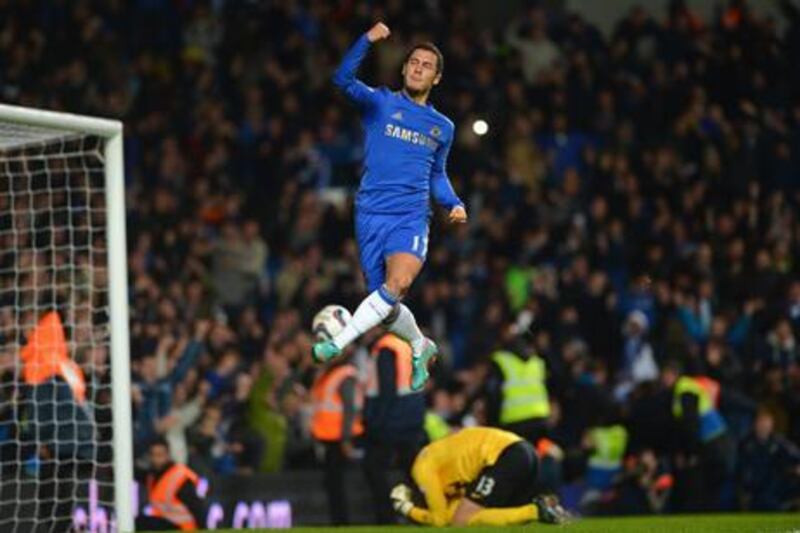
(406, 145)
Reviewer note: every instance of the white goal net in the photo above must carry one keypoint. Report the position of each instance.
(63, 452)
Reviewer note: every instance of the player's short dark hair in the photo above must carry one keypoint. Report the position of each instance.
(430, 47)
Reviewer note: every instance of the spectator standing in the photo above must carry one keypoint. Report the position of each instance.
(769, 468)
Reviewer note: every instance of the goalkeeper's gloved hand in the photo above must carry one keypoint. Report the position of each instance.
(550, 510)
(401, 499)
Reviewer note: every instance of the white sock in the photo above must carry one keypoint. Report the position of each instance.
(405, 326)
(371, 311)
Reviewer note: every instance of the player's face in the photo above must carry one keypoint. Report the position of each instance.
(419, 72)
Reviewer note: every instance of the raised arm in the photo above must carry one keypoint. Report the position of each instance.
(345, 76)
(442, 189)
(191, 353)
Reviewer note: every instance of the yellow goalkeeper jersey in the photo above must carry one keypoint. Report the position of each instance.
(444, 468)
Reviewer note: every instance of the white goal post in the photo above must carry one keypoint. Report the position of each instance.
(68, 152)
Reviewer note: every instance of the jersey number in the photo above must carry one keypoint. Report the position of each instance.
(484, 486)
(420, 239)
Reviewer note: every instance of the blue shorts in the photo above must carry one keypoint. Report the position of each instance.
(381, 235)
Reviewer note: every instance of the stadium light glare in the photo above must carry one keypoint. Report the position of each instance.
(480, 127)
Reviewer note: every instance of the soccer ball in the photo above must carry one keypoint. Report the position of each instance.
(329, 322)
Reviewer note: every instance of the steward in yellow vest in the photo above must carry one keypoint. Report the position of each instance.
(516, 394)
(703, 443)
(701, 394)
(436, 427)
(607, 445)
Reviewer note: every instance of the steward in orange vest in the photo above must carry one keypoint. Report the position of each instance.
(392, 411)
(394, 418)
(57, 388)
(58, 421)
(173, 502)
(337, 398)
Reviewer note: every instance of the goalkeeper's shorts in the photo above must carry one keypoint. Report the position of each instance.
(510, 481)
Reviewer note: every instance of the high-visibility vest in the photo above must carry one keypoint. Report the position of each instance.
(605, 462)
(707, 392)
(524, 390)
(326, 422)
(163, 495)
(609, 446)
(402, 365)
(435, 426)
(45, 356)
(711, 386)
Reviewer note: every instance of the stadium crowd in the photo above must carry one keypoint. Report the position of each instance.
(633, 218)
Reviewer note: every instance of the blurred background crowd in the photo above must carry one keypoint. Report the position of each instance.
(633, 219)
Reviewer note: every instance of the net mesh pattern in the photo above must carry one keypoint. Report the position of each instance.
(54, 441)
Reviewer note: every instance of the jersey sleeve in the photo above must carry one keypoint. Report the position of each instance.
(424, 517)
(425, 476)
(441, 188)
(345, 76)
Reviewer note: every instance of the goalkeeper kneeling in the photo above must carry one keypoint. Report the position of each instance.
(478, 476)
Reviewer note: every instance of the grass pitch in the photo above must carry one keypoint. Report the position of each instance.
(728, 523)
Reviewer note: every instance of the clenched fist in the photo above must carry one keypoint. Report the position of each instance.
(458, 215)
(378, 32)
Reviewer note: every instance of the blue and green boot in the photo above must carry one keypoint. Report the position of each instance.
(324, 351)
(419, 364)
